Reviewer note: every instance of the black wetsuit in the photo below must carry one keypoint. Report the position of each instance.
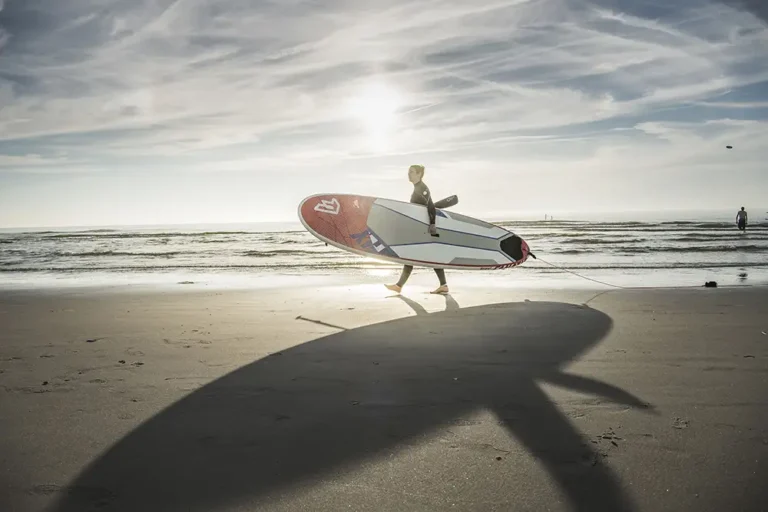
(421, 195)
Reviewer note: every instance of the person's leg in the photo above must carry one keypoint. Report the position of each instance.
(407, 269)
(443, 283)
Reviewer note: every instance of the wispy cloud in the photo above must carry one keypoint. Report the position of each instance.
(29, 161)
(241, 85)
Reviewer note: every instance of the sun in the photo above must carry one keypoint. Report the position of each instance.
(376, 107)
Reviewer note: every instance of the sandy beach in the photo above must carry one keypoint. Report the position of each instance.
(342, 397)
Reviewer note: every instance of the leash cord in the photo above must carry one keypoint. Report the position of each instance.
(579, 275)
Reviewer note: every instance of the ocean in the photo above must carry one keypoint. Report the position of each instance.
(617, 253)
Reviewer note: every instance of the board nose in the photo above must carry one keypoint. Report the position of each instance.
(525, 249)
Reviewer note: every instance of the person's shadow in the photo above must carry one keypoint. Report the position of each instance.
(339, 400)
(450, 303)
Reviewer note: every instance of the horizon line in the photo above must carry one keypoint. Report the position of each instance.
(509, 217)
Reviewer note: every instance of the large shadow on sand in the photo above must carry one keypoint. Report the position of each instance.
(331, 403)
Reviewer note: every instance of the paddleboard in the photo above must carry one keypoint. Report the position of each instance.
(397, 232)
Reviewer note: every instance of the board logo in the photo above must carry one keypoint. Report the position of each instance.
(325, 206)
(366, 240)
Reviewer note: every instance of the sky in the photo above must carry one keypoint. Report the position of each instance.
(194, 111)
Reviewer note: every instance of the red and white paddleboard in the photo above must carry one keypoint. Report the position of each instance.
(397, 231)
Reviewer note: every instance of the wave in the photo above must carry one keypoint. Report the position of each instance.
(14, 252)
(630, 251)
(287, 252)
(93, 254)
(124, 234)
(694, 249)
(149, 268)
(660, 266)
(588, 241)
(717, 238)
(572, 252)
(628, 224)
(648, 232)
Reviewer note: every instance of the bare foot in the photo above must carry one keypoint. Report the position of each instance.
(393, 287)
(443, 289)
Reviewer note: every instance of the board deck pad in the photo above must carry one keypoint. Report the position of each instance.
(397, 231)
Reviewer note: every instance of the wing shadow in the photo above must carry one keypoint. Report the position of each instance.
(293, 418)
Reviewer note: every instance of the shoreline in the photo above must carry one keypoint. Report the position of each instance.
(540, 277)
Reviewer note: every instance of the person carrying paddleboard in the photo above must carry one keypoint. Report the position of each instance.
(421, 195)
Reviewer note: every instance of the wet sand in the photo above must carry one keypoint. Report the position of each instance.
(345, 398)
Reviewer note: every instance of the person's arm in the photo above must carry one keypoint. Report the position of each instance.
(431, 208)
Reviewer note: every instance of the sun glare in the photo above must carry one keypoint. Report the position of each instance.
(376, 108)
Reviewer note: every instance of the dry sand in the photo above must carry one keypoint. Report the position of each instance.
(342, 398)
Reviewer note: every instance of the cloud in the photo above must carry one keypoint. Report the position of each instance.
(202, 86)
(3, 33)
(149, 63)
(28, 161)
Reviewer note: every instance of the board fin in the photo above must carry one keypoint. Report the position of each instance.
(447, 202)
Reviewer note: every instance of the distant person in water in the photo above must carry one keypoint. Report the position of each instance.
(421, 195)
(741, 219)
